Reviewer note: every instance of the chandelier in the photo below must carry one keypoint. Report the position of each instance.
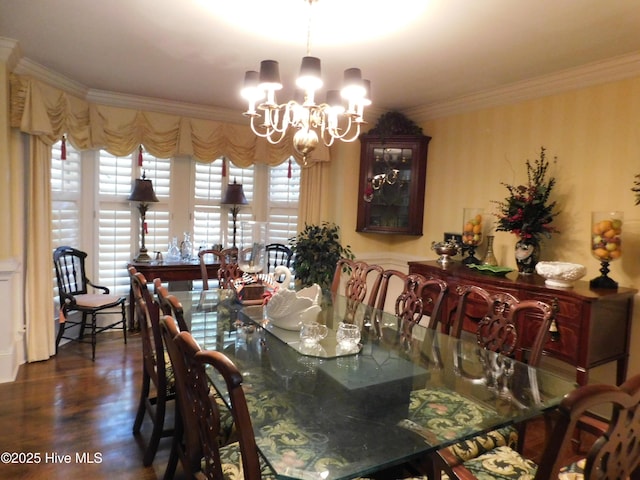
(339, 118)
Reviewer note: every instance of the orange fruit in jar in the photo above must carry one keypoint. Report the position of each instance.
(477, 229)
(609, 233)
(601, 253)
(605, 225)
(478, 218)
(468, 227)
(615, 254)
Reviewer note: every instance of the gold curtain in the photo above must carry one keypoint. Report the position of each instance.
(40, 334)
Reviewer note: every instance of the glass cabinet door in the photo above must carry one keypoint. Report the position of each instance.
(392, 184)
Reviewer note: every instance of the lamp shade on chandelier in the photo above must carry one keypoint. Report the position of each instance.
(339, 118)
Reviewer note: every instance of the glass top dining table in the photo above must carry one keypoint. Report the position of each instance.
(342, 414)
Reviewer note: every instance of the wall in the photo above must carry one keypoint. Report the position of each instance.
(594, 133)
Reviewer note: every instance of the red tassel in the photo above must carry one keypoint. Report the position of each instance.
(289, 171)
(224, 167)
(63, 148)
(140, 156)
(146, 229)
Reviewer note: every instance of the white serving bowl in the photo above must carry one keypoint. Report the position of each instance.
(560, 274)
(288, 309)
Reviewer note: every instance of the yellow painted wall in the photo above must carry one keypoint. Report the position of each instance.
(594, 133)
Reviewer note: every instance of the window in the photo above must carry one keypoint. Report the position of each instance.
(65, 201)
(211, 219)
(284, 194)
(189, 200)
(65, 197)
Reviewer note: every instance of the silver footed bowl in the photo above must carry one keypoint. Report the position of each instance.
(445, 248)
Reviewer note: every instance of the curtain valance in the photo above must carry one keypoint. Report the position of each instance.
(48, 112)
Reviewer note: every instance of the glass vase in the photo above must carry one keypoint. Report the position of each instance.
(253, 240)
(606, 244)
(472, 233)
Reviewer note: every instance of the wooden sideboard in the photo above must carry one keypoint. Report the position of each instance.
(593, 326)
(168, 272)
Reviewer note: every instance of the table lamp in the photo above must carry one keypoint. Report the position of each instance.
(234, 196)
(144, 194)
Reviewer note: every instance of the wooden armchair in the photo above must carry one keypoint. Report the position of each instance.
(615, 454)
(73, 290)
(278, 254)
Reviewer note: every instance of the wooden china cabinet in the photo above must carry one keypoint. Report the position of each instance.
(393, 173)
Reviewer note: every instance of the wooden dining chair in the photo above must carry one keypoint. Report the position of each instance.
(75, 296)
(156, 368)
(278, 254)
(228, 272)
(414, 297)
(362, 282)
(615, 454)
(500, 327)
(169, 304)
(199, 450)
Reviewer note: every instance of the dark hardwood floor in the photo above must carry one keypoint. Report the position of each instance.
(70, 409)
(71, 406)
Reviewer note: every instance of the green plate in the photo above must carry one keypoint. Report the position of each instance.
(491, 269)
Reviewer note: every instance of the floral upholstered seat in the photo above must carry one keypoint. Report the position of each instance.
(449, 415)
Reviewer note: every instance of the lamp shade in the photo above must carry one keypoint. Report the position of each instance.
(234, 195)
(143, 191)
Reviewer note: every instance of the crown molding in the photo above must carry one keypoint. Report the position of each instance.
(605, 71)
(165, 106)
(50, 77)
(9, 52)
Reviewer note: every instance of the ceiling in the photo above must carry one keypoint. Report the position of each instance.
(184, 50)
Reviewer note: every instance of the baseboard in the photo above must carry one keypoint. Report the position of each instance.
(11, 359)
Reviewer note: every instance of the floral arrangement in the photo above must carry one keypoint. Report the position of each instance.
(636, 189)
(527, 212)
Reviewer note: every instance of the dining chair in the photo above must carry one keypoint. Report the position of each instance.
(278, 254)
(615, 454)
(500, 327)
(169, 304)
(74, 294)
(414, 297)
(199, 450)
(228, 272)
(362, 282)
(156, 368)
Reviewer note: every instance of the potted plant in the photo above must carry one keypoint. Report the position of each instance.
(316, 251)
(527, 212)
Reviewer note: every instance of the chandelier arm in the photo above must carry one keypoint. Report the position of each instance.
(255, 130)
(271, 136)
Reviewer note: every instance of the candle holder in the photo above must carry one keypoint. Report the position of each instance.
(472, 233)
(606, 244)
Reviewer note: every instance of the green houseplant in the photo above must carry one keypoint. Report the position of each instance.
(317, 250)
